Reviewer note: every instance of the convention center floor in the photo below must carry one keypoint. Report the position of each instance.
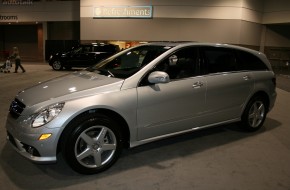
(218, 158)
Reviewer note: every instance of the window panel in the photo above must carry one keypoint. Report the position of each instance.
(248, 61)
(219, 59)
(180, 64)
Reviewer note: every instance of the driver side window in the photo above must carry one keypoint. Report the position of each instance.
(180, 64)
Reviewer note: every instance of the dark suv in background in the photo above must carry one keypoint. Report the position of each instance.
(84, 55)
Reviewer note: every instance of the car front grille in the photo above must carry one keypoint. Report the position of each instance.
(16, 108)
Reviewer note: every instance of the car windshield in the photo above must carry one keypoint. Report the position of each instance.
(128, 62)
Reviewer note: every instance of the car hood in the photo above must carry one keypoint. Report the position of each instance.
(74, 85)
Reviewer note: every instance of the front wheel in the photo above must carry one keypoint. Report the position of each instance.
(255, 114)
(93, 145)
(57, 65)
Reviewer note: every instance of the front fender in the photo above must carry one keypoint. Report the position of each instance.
(123, 103)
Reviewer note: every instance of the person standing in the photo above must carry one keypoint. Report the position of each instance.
(17, 59)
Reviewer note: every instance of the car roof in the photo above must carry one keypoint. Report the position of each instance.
(173, 44)
(189, 43)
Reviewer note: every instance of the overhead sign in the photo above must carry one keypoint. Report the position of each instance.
(6, 17)
(17, 2)
(123, 12)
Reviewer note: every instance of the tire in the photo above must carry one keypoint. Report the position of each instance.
(57, 65)
(254, 114)
(93, 145)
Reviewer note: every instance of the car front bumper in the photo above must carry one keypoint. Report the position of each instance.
(28, 144)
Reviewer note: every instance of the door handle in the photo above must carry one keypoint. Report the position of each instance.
(197, 84)
(246, 77)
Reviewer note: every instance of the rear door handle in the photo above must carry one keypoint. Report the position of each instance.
(246, 77)
(197, 84)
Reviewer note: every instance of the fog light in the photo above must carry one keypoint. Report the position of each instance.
(30, 150)
(44, 136)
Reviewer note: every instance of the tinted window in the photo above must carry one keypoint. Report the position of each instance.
(87, 49)
(80, 50)
(96, 48)
(219, 59)
(180, 64)
(248, 61)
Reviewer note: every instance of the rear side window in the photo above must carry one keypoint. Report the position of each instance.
(248, 61)
(219, 59)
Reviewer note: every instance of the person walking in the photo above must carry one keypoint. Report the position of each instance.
(17, 59)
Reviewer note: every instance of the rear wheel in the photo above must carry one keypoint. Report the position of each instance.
(93, 145)
(57, 65)
(255, 114)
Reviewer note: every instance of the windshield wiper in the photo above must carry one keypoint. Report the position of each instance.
(105, 72)
(112, 75)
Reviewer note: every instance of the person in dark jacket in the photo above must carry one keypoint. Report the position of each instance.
(17, 59)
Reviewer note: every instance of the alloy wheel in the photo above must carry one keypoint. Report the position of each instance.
(57, 65)
(256, 114)
(95, 146)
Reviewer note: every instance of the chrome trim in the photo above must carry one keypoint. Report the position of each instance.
(137, 143)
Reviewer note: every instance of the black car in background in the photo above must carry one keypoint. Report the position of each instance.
(84, 55)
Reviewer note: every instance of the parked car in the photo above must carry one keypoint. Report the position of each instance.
(84, 55)
(137, 96)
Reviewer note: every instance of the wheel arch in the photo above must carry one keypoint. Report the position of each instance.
(252, 117)
(124, 128)
(261, 94)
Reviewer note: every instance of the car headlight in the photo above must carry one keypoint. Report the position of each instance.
(46, 115)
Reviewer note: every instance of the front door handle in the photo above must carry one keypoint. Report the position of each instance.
(197, 84)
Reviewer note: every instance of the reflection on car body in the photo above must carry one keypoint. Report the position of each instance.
(137, 96)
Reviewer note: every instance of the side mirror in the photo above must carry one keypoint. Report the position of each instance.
(158, 77)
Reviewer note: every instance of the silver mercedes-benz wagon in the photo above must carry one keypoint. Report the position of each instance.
(137, 96)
